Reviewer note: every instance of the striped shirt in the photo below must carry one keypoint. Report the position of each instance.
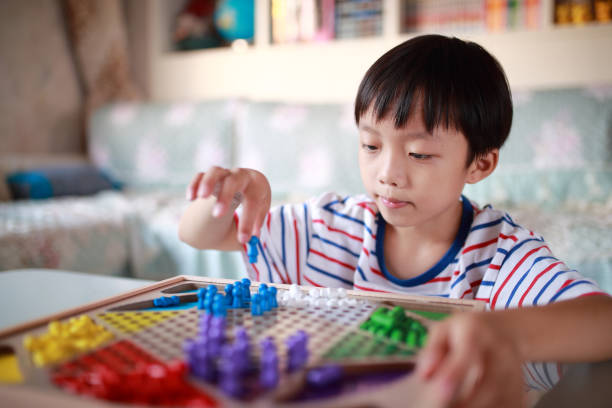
(333, 241)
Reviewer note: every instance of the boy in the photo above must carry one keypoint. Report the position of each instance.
(432, 114)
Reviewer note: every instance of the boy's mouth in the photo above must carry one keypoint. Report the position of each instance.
(392, 203)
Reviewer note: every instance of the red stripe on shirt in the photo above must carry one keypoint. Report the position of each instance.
(475, 283)
(365, 250)
(369, 289)
(466, 292)
(376, 271)
(439, 279)
(480, 245)
(533, 282)
(492, 266)
(365, 206)
(256, 272)
(482, 299)
(288, 280)
(268, 221)
(595, 294)
(356, 238)
(297, 251)
(314, 251)
(567, 282)
(313, 283)
(519, 263)
(512, 237)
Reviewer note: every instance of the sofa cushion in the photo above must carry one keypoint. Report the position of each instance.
(57, 181)
(559, 151)
(302, 149)
(161, 145)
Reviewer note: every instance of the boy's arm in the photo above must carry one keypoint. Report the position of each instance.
(477, 357)
(208, 222)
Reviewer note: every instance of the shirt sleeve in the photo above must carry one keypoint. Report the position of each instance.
(530, 275)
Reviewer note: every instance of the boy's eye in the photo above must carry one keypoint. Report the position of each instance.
(369, 148)
(420, 156)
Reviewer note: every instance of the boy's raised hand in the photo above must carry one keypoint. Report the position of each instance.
(474, 362)
(232, 187)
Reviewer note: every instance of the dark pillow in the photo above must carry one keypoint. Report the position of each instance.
(56, 181)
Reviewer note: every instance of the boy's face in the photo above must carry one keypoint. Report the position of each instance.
(416, 178)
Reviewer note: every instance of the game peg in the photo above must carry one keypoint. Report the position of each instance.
(252, 249)
(272, 293)
(255, 305)
(246, 284)
(237, 297)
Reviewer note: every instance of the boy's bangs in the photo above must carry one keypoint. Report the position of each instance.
(402, 86)
(435, 109)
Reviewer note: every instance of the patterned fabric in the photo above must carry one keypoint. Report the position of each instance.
(302, 149)
(559, 151)
(152, 146)
(81, 234)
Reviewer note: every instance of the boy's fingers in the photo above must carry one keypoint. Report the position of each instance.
(213, 177)
(233, 184)
(249, 222)
(192, 188)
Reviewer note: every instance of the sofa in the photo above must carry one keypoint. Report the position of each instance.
(554, 176)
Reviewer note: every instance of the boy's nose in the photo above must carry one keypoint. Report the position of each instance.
(387, 180)
(393, 175)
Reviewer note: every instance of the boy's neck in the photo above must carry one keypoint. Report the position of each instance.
(411, 251)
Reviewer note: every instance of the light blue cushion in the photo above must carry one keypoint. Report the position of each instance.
(302, 149)
(161, 145)
(559, 150)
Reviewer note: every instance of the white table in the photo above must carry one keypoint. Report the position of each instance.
(27, 294)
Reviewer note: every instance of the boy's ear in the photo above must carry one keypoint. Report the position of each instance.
(482, 166)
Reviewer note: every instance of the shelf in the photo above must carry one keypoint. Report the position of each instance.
(331, 71)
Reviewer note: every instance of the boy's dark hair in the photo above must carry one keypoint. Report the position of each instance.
(460, 85)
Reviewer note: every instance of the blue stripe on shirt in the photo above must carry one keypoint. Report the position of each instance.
(486, 224)
(306, 226)
(555, 276)
(517, 247)
(468, 268)
(571, 285)
(331, 275)
(327, 207)
(327, 241)
(361, 273)
(282, 215)
(261, 251)
(535, 261)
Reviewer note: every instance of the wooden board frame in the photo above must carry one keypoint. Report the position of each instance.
(388, 396)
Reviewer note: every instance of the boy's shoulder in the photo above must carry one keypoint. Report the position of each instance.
(489, 223)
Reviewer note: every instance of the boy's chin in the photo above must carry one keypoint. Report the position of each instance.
(397, 220)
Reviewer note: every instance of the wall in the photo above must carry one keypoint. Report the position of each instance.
(40, 96)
